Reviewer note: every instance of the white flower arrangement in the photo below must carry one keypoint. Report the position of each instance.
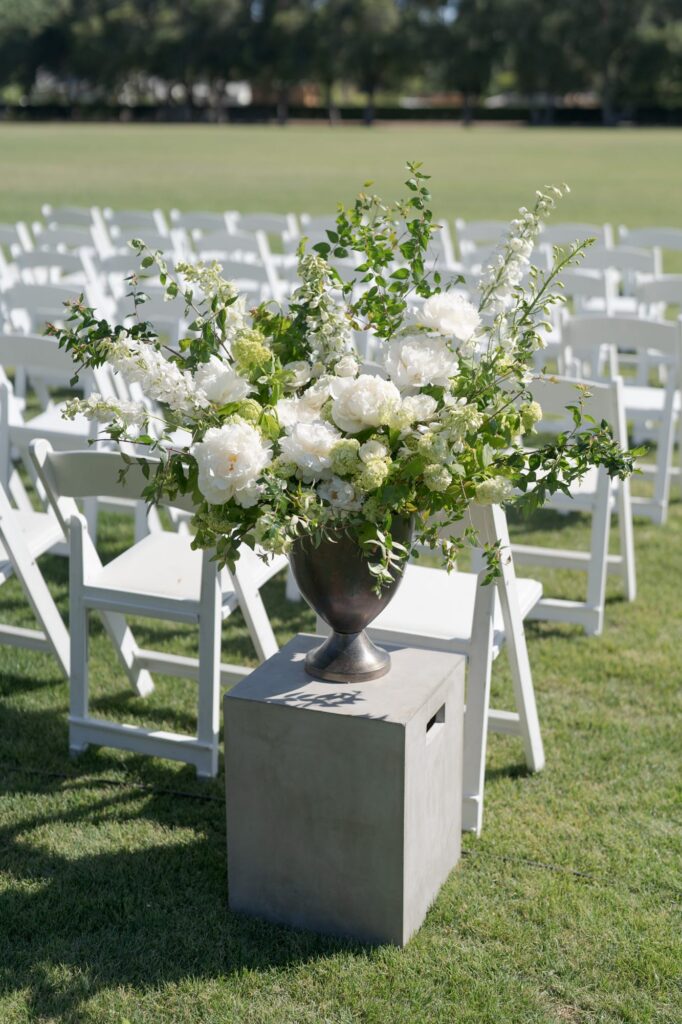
(286, 433)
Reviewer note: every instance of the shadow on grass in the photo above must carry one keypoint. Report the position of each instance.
(76, 921)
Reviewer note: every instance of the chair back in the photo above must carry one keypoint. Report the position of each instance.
(575, 231)
(92, 474)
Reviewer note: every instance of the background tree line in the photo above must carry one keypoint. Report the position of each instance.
(626, 52)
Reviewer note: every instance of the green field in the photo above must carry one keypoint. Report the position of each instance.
(627, 176)
(112, 867)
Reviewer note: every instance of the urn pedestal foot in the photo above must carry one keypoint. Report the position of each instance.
(348, 657)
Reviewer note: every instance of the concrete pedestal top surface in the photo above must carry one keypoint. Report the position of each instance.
(344, 799)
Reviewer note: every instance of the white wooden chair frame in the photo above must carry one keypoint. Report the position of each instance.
(655, 412)
(25, 536)
(607, 497)
(481, 647)
(68, 475)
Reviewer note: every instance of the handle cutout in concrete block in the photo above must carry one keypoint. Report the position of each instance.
(436, 719)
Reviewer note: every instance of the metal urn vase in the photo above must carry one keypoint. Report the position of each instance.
(335, 580)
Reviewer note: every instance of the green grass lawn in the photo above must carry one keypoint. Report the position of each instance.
(112, 867)
(624, 176)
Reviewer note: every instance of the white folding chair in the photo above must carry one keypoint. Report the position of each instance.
(590, 291)
(455, 612)
(657, 239)
(15, 238)
(25, 535)
(654, 411)
(596, 495)
(29, 307)
(277, 224)
(478, 237)
(653, 297)
(158, 577)
(43, 364)
(575, 231)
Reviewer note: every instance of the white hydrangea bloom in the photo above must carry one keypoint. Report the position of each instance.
(421, 359)
(494, 491)
(450, 313)
(364, 402)
(230, 460)
(308, 446)
(220, 382)
(339, 493)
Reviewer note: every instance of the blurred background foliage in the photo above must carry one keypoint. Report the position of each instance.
(207, 56)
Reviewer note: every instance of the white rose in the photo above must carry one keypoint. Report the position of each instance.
(415, 361)
(230, 460)
(450, 313)
(364, 402)
(372, 450)
(300, 372)
(347, 366)
(220, 383)
(308, 446)
(339, 493)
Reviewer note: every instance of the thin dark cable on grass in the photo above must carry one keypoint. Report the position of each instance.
(87, 783)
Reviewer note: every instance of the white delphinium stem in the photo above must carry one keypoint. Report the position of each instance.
(329, 333)
(513, 258)
(133, 417)
(160, 379)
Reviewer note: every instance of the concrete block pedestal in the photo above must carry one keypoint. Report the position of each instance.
(344, 800)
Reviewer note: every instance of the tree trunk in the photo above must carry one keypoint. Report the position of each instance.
(332, 109)
(468, 110)
(370, 112)
(283, 106)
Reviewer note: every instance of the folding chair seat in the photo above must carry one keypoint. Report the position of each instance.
(158, 577)
(25, 535)
(455, 612)
(600, 344)
(595, 495)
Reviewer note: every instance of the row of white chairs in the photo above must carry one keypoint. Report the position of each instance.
(437, 626)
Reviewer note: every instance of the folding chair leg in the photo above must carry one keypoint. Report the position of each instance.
(78, 680)
(208, 717)
(257, 621)
(599, 546)
(128, 652)
(476, 713)
(627, 541)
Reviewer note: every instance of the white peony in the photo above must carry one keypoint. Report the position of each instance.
(418, 409)
(306, 408)
(230, 460)
(308, 446)
(220, 383)
(339, 493)
(450, 313)
(364, 402)
(421, 359)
